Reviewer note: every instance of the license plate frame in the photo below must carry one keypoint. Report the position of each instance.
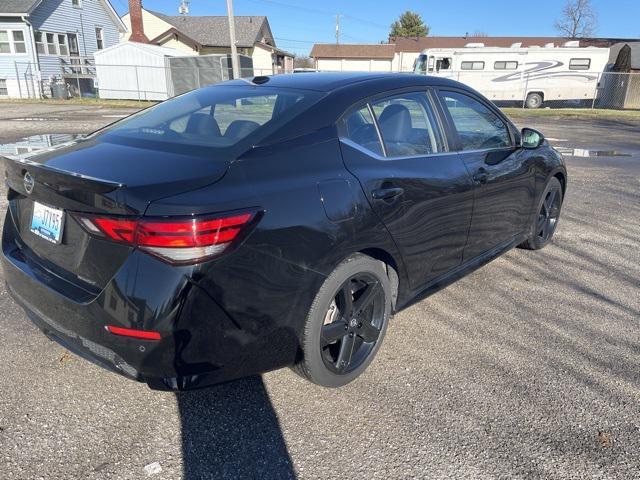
(47, 222)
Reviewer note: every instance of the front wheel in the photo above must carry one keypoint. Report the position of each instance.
(346, 323)
(534, 100)
(544, 225)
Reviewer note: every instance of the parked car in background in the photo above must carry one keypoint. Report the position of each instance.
(277, 222)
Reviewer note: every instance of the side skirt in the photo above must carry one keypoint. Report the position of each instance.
(462, 271)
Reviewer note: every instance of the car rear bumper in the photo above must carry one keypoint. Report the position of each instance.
(201, 342)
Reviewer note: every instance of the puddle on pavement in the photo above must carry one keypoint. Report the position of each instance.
(36, 143)
(583, 152)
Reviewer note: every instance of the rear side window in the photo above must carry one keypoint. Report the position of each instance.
(579, 64)
(408, 125)
(505, 66)
(472, 66)
(214, 117)
(361, 129)
(477, 126)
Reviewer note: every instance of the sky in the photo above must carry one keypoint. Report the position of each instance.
(297, 25)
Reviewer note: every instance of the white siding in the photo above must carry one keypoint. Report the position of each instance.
(19, 66)
(354, 64)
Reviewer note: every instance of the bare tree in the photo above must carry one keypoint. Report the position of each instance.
(479, 33)
(578, 19)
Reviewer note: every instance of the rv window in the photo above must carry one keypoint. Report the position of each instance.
(505, 66)
(579, 64)
(443, 64)
(472, 65)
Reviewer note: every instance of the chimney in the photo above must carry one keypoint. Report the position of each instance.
(135, 16)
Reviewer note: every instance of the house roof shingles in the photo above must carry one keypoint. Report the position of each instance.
(345, 50)
(17, 6)
(213, 31)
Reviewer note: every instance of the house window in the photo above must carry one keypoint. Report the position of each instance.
(505, 66)
(51, 44)
(472, 65)
(12, 41)
(5, 46)
(76, 3)
(18, 42)
(40, 48)
(62, 45)
(579, 64)
(99, 38)
(3, 87)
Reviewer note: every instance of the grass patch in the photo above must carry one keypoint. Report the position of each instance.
(95, 102)
(572, 113)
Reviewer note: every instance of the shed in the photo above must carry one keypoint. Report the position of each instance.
(134, 71)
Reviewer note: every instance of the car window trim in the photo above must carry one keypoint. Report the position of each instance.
(509, 126)
(377, 127)
(443, 126)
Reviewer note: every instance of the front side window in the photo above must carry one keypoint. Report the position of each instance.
(213, 117)
(472, 66)
(408, 125)
(579, 64)
(477, 126)
(360, 128)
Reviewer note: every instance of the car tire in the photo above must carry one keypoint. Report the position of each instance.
(547, 216)
(360, 330)
(534, 100)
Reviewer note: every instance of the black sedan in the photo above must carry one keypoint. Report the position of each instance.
(278, 221)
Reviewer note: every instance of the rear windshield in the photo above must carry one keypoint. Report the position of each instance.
(216, 117)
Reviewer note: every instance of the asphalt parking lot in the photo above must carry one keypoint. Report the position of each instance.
(527, 368)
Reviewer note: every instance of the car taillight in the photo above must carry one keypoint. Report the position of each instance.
(181, 240)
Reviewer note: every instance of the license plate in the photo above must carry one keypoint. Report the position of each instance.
(47, 222)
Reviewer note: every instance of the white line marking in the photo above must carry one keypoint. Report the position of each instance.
(115, 116)
(556, 139)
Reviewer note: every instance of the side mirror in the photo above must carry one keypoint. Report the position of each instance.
(531, 138)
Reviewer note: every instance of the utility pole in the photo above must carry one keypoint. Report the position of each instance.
(338, 15)
(232, 38)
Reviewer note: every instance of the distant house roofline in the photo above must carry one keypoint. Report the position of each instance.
(383, 51)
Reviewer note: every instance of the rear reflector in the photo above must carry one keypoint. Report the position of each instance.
(183, 241)
(130, 332)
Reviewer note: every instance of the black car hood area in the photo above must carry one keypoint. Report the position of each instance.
(129, 172)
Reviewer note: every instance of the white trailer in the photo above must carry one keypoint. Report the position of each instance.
(532, 75)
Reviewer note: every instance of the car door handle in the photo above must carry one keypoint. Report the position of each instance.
(387, 193)
(481, 176)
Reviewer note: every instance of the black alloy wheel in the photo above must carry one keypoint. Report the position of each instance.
(352, 324)
(346, 323)
(546, 221)
(548, 215)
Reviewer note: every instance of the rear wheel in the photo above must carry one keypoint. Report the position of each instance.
(545, 223)
(534, 100)
(346, 323)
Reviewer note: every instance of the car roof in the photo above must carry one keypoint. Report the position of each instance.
(330, 81)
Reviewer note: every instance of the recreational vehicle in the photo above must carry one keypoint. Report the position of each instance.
(533, 75)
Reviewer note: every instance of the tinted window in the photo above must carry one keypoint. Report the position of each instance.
(505, 66)
(216, 117)
(579, 64)
(407, 125)
(478, 127)
(472, 65)
(360, 128)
